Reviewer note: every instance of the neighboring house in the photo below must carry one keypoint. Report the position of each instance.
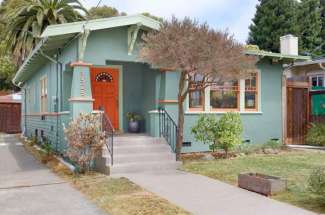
(10, 113)
(86, 66)
(306, 97)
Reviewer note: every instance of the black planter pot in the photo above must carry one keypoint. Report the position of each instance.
(134, 126)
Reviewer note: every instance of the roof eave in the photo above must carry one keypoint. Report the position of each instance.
(278, 55)
(97, 24)
(35, 51)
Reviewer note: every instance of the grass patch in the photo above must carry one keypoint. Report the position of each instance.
(294, 166)
(116, 196)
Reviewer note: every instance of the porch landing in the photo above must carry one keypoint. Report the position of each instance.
(141, 153)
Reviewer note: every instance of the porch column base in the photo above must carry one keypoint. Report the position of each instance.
(81, 100)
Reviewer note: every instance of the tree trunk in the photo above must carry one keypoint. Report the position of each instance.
(181, 97)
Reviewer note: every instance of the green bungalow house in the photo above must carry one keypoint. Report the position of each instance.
(89, 66)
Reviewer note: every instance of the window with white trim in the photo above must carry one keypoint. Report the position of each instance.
(43, 92)
(236, 95)
(317, 80)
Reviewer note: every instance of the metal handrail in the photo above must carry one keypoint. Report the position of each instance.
(168, 128)
(109, 130)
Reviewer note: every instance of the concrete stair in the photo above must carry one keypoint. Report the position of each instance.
(140, 153)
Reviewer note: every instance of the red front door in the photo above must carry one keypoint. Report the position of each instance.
(104, 86)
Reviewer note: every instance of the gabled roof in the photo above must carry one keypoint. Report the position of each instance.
(58, 36)
(98, 24)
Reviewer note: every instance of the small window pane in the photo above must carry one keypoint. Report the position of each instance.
(223, 99)
(196, 99)
(320, 81)
(251, 92)
(314, 81)
(250, 100)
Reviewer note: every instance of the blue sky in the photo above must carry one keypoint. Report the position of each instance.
(234, 15)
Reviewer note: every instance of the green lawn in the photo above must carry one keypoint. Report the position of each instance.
(294, 166)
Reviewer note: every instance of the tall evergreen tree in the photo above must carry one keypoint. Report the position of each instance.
(273, 19)
(310, 27)
(322, 4)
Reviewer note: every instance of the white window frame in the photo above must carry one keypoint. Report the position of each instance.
(242, 109)
(316, 75)
(44, 94)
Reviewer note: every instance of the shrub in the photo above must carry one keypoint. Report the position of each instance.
(272, 144)
(205, 131)
(229, 131)
(85, 140)
(316, 135)
(224, 134)
(47, 146)
(317, 182)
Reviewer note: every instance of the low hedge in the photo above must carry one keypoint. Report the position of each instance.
(316, 135)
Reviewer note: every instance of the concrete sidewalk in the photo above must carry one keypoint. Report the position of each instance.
(29, 188)
(204, 196)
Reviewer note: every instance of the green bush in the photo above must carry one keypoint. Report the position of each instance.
(316, 135)
(229, 131)
(205, 131)
(224, 134)
(317, 182)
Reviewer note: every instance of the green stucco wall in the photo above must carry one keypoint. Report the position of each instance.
(142, 88)
(259, 127)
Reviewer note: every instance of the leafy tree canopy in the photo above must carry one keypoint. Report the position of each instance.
(310, 26)
(159, 19)
(29, 20)
(273, 19)
(195, 50)
(303, 18)
(104, 12)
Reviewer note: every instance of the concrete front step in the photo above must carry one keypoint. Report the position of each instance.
(139, 154)
(144, 148)
(144, 167)
(144, 157)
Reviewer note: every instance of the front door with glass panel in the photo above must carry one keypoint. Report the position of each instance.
(104, 84)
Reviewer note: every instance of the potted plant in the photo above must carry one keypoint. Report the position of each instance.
(134, 122)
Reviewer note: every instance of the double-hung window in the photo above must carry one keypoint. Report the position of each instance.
(196, 93)
(251, 92)
(43, 89)
(317, 81)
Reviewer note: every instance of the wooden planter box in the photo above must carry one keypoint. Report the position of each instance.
(263, 184)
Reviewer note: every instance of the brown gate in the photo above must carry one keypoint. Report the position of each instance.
(297, 112)
(10, 117)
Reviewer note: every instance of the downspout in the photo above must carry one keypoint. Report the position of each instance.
(25, 112)
(58, 104)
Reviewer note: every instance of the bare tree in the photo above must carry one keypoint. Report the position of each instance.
(194, 49)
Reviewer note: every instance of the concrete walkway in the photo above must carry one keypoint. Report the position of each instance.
(204, 196)
(29, 188)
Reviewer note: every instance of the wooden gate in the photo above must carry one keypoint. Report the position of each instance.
(10, 115)
(297, 112)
